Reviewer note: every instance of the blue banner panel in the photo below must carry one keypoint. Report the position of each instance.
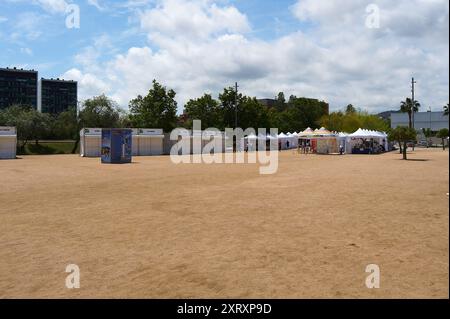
(116, 146)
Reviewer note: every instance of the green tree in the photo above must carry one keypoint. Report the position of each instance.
(252, 114)
(205, 109)
(280, 103)
(305, 112)
(41, 124)
(67, 126)
(158, 109)
(409, 107)
(350, 109)
(443, 134)
(351, 121)
(30, 124)
(99, 111)
(403, 135)
(228, 100)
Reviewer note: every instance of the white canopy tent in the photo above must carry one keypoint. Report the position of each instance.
(367, 141)
(8, 142)
(342, 140)
(284, 140)
(293, 140)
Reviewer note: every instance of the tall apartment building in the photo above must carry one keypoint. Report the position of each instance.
(56, 96)
(18, 86)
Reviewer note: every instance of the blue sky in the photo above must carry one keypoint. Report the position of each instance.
(52, 51)
(322, 49)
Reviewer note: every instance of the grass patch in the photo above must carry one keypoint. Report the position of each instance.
(47, 148)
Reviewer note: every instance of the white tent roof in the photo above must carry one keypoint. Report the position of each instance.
(282, 135)
(362, 133)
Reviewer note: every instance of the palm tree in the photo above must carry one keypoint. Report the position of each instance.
(408, 107)
(446, 109)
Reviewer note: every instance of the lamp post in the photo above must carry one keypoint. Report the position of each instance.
(429, 111)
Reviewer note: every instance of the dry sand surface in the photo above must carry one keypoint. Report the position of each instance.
(153, 229)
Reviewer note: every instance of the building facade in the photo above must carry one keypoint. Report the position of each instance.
(18, 86)
(56, 96)
(422, 120)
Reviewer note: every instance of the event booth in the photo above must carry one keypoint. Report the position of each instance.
(319, 141)
(8, 142)
(145, 142)
(116, 146)
(368, 142)
(91, 142)
(285, 141)
(194, 142)
(149, 142)
(343, 142)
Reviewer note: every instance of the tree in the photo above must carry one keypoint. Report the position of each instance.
(446, 109)
(158, 109)
(280, 103)
(403, 135)
(409, 107)
(40, 127)
(305, 112)
(205, 109)
(227, 104)
(67, 126)
(428, 134)
(99, 111)
(30, 124)
(350, 109)
(443, 134)
(252, 114)
(351, 121)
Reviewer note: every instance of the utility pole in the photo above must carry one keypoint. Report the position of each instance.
(413, 101)
(236, 106)
(412, 106)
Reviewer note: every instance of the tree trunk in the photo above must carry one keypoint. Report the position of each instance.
(404, 150)
(443, 144)
(75, 146)
(410, 119)
(36, 142)
(400, 146)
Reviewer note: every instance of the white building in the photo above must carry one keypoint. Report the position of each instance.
(8, 142)
(422, 120)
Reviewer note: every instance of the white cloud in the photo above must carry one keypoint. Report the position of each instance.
(200, 46)
(96, 4)
(89, 83)
(3, 19)
(53, 6)
(26, 51)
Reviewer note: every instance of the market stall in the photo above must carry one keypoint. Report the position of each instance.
(368, 142)
(90, 142)
(320, 141)
(8, 142)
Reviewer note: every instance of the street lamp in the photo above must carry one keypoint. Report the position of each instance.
(429, 111)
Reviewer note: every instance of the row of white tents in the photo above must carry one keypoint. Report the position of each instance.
(324, 141)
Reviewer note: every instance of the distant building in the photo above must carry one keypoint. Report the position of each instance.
(422, 120)
(56, 96)
(18, 86)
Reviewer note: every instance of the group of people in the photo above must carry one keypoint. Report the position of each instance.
(304, 149)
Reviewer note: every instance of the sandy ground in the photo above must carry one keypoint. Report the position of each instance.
(152, 229)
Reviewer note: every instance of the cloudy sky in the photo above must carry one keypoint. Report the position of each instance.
(362, 52)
